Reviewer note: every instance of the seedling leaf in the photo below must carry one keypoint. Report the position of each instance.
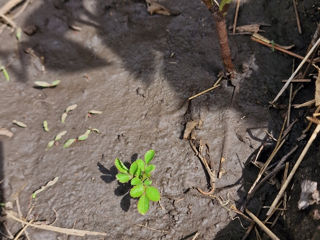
(123, 177)
(133, 168)
(18, 34)
(138, 172)
(44, 84)
(5, 73)
(19, 124)
(223, 6)
(147, 182)
(120, 166)
(137, 191)
(84, 136)
(143, 204)
(153, 194)
(50, 144)
(136, 181)
(150, 168)
(149, 156)
(140, 163)
(69, 142)
(60, 135)
(45, 125)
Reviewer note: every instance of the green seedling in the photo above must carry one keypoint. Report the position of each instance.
(5, 73)
(139, 175)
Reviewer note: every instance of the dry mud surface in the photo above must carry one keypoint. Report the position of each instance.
(139, 70)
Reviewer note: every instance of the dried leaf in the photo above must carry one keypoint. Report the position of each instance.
(95, 130)
(49, 184)
(75, 27)
(60, 135)
(317, 94)
(251, 28)
(5, 73)
(95, 112)
(190, 126)
(19, 124)
(156, 8)
(71, 108)
(309, 194)
(63, 117)
(5, 132)
(84, 136)
(69, 142)
(45, 125)
(44, 84)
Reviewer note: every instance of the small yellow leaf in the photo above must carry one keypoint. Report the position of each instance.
(63, 117)
(45, 125)
(69, 142)
(18, 34)
(50, 144)
(60, 135)
(44, 84)
(71, 107)
(84, 136)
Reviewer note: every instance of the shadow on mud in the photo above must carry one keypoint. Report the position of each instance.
(109, 175)
(184, 49)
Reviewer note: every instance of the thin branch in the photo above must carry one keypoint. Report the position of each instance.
(296, 71)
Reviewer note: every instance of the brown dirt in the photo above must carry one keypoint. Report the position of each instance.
(139, 70)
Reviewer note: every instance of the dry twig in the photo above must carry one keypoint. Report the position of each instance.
(236, 17)
(68, 231)
(297, 16)
(264, 228)
(293, 171)
(296, 71)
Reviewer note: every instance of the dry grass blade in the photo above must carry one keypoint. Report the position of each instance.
(203, 92)
(305, 104)
(317, 93)
(278, 167)
(236, 17)
(68, 231)
(22, 230)
(264, 168)
(256, 38)
(297, 16)
(215, 85)
(264, 228)
(296, 71)
(295, 167)
(8, 6)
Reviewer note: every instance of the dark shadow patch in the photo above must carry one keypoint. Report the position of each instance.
(109, 175)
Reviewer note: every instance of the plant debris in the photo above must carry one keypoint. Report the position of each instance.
(19, 124)
(309, 194)
(44, 187)
(43, 84)
(5, 132)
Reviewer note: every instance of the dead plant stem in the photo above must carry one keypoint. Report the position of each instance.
(295, 167)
